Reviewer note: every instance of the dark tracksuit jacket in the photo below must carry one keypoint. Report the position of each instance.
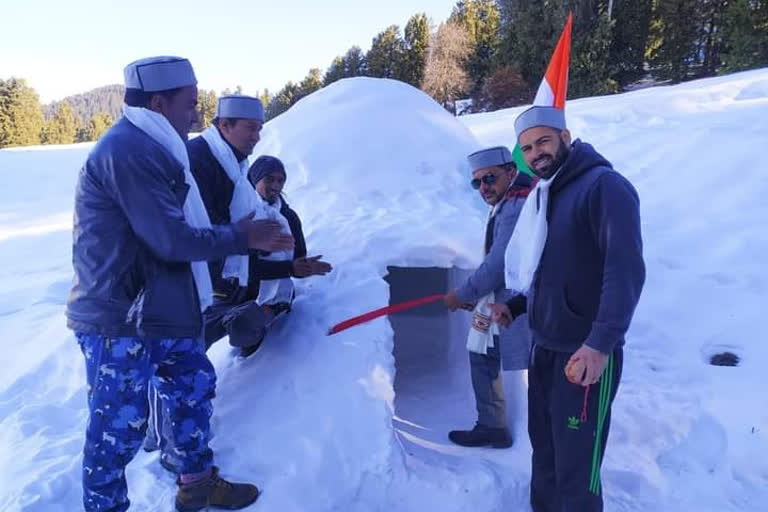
(585, 291)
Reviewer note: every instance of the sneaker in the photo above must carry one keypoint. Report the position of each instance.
(215, 492)
(481, 435)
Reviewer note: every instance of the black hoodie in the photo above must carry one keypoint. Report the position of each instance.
(591, 272)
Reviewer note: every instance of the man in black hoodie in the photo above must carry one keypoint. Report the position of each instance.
(581, 299)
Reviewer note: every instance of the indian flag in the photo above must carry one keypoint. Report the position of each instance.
(554, 87)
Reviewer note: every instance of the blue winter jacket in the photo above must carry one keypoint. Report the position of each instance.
(591, 272)
(515, 340)
(132, 247)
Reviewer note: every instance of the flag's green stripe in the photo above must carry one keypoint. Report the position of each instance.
(517, 156)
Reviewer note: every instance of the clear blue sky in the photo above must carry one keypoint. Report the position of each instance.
(67, 47)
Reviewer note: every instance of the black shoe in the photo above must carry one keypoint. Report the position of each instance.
(169, 465)
(481, 435)
(250, 349)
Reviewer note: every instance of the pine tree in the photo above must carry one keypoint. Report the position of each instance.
(445, 77)
(311, 83)
(265, 98)
(710, 44)
(283, 100)
(416, 47)
(21, 116)
(62, 129)
(355, 63)
(745, 35)
(591, 66)
(95, 128)
(107, 99)
(530, 31)
(207, 102)
(675, 31)
(386, 56)
(482, 20)
(335, 71)
(632, 20)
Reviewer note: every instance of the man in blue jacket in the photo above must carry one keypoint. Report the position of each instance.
(495, 177)
(582, 266)
(141, 242)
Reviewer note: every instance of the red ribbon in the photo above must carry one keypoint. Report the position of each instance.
(394, 308)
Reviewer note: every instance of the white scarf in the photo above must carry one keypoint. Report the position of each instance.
(275, 291)
(245, 200)
(521, 259)
(482, 330)
(158, 128)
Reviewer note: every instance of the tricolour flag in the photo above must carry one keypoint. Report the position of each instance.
(554, 87)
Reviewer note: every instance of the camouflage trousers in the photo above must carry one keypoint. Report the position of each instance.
(119, 372)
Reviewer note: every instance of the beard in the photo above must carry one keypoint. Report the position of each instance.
(554, 162)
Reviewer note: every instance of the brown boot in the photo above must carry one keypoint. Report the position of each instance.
(215, 492)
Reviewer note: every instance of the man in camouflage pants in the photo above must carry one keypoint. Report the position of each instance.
(118, 372)
(141, 240)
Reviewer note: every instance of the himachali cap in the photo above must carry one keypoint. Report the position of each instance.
(490, 157)
(155, 74)
(540, 116)
(238, 106)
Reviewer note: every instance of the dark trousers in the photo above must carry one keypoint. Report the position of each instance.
(487, 385)
(245, 323)
(568, 439)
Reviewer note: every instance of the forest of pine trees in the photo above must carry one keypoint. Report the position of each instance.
(492, 51)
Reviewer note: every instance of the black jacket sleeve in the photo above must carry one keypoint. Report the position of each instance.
(517, 305)
(614, 215)
(216, 188)
(266, 269)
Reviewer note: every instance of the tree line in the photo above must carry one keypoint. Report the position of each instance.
(493, 52)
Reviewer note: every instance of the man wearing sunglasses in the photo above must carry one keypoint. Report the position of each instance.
(495, 177)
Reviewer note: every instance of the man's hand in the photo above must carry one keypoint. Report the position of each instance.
(451, 301)
(500, 314)
(313, 266)
(585, 366)
(265, 235)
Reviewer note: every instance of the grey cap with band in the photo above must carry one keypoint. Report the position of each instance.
(490, 157)
(540, 116)
(239, 106)
(156, 74)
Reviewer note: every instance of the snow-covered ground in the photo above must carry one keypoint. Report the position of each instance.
(376, 170)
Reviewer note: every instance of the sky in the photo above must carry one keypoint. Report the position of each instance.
(64, 48)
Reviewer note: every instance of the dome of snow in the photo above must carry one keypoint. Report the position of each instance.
(376, 164)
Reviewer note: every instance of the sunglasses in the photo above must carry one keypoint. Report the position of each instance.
(488, 179)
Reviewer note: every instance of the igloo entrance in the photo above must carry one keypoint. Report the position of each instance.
(433, 391)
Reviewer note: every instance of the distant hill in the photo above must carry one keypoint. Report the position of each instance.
(107, 99)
